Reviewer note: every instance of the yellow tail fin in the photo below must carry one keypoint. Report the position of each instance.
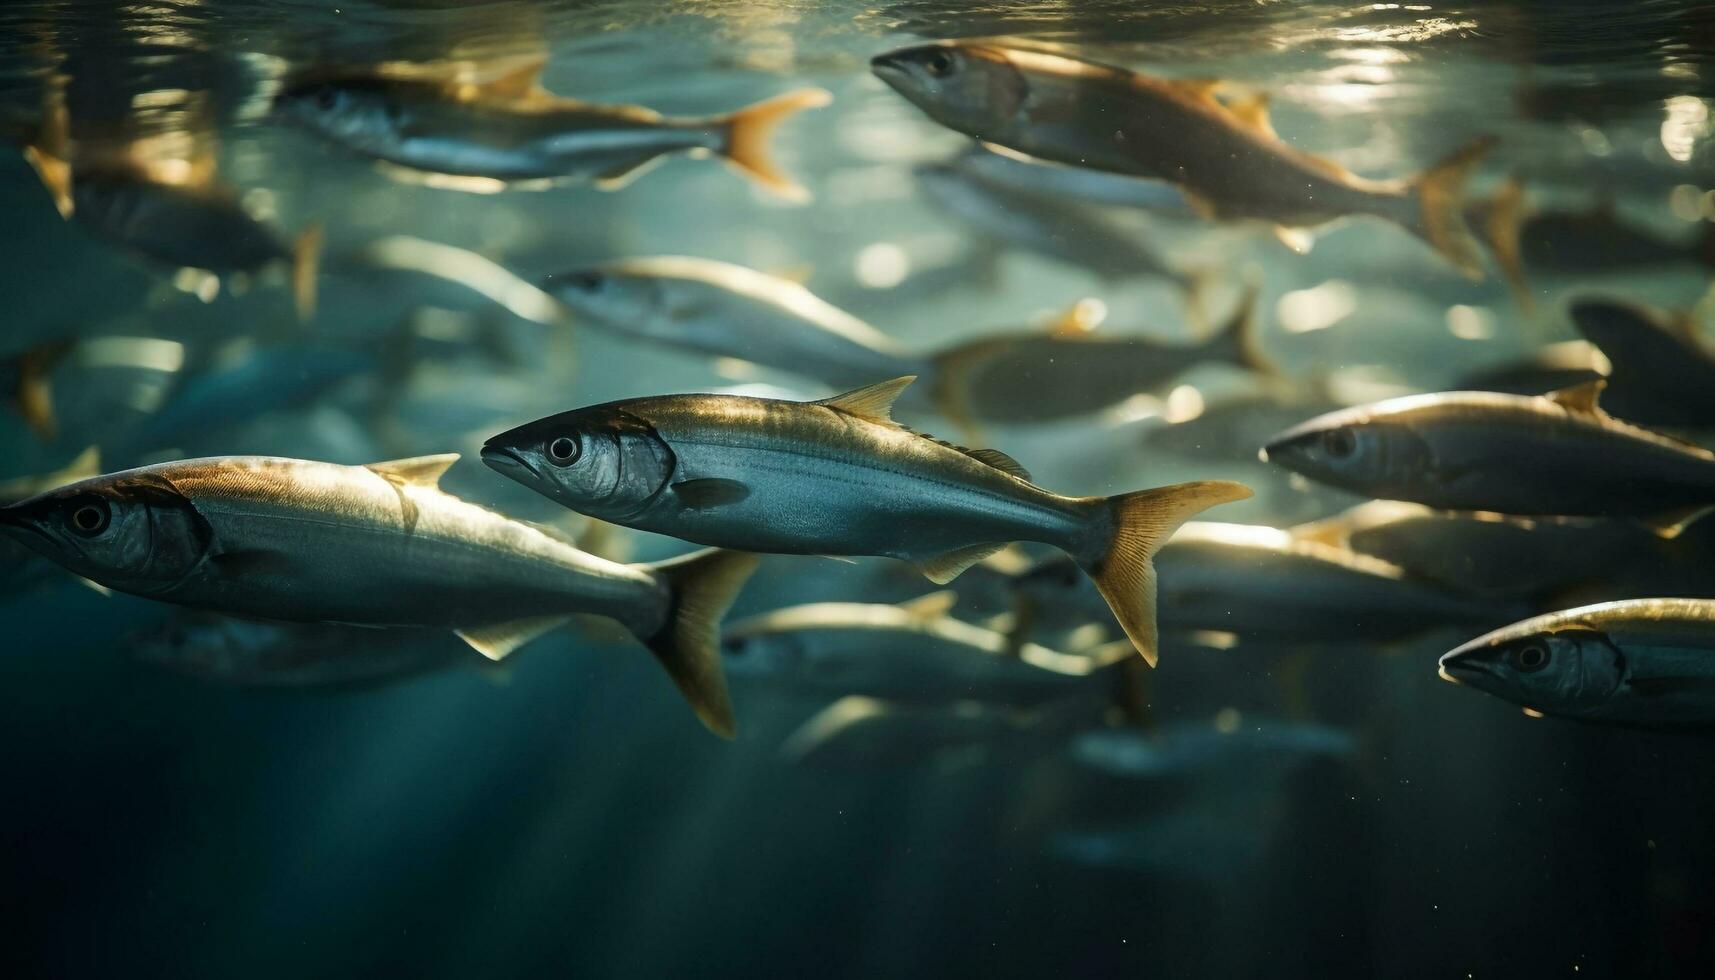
(306, 262)
(1440, 194)
(1503, 220)
(1140, 523)
(1238, 341)
(750, 129)
(703, 585)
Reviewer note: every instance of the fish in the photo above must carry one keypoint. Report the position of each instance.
(1661, 372)
(1527, 241)
(1066, 232)
(1253, 748)
(1016, 171)
(726, 310)
(1495, 555)
(1073, 369)
(261, 381)
(1548, 368)
(294, 656)
(1261, 584)
(169, 209)
(839, 477)
(858, 732)
(379, 545)
(910, 652)
(1558, 455)
(1223, 154)
(1645, 663)
(506, 129)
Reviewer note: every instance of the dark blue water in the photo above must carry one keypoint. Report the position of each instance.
(565, 816)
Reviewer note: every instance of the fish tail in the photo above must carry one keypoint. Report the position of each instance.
(33, 390)
(749, 131)
(701, 586)
(1136, 525)
(1440, 193)
(1238, 341)
(306, 262)
(1503, 222)
(950, 388)
(1195, 285)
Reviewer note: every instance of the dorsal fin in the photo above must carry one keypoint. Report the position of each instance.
(1080, 319)
(1252, 112)
(423, 471)
(926, 608)
(516, 81)
(872, 402)
(1580, 399)
(999, 460)
(1196, 88)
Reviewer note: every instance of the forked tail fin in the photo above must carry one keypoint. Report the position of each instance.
(1138, 524)
(1440, 193)
(1236, 342)
(1503, 226)
(749, 131)
(703, 585)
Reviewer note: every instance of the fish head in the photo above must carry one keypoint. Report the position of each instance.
(1355, 449)
(1545, 663)
(133, 531)
(602, 461)
(971, 88)
(361, 112)
(613, 296)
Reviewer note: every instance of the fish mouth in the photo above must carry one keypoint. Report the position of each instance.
(12, 522)
(1460, 666)
(887, 68)
(505, 461)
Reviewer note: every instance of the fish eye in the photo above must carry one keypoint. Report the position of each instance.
(89, 517)
(939, 63)
(564, 451)
(1339, 443)
(1531, 657)
(327, 97)
(585, 282)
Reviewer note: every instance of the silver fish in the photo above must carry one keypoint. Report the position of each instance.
(296, 656)
(1641, 662)
(378, 545)
(1073, 369)
(727, 310)
(1083, 238)
(1554, 455)
(508, 130)
(910, 652)
(1224, 155)
(839, 477)
(1264, 584)
(865, 732)
(1498, 556)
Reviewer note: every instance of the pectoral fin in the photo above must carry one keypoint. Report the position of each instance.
(711, 493)
(942, 569)
(499, 639)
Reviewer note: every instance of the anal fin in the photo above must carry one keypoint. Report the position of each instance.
(1670, 524)
(942, 569)
(497, 640)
